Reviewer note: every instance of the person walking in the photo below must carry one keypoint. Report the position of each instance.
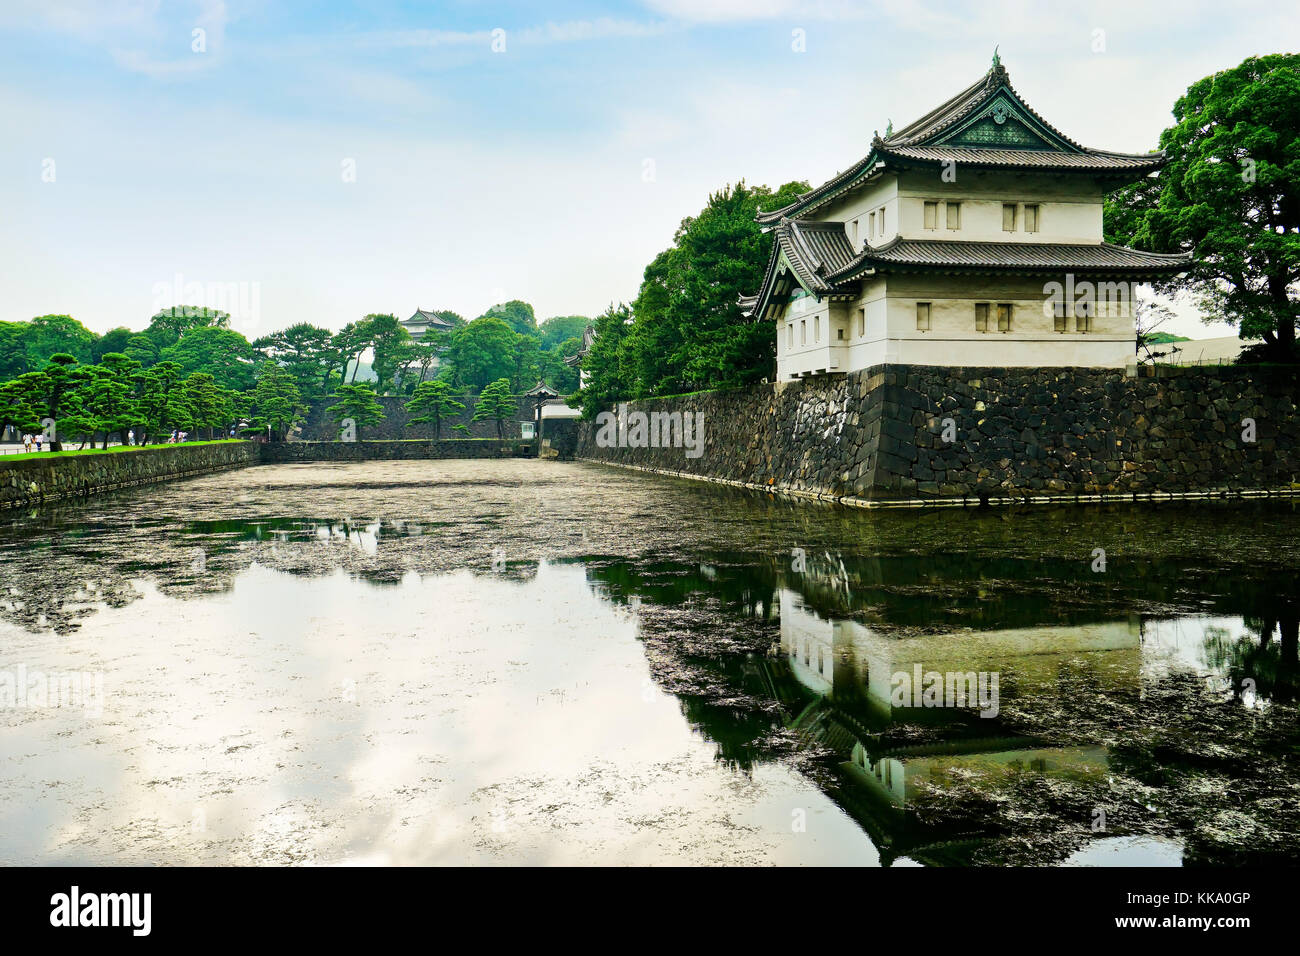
(37, 438)
(130, 437)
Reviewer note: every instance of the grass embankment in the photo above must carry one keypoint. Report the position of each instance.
(116, 449)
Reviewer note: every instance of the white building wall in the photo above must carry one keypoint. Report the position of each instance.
(859, 205)
(1070, 211)
(890, 335)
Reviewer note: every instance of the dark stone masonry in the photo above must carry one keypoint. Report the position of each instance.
(30, 481)
(915, 432)
(25, 481)
(393, 450)
(318, 426)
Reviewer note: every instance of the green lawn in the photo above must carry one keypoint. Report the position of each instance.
(128, 449)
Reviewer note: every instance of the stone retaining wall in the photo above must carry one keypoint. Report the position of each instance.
(393, 450)
(925, 432)
(25, 481)
(318, 426)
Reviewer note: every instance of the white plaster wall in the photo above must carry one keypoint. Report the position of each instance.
(859, 204)
(891, 334)
(823, 351)
(1070, 209)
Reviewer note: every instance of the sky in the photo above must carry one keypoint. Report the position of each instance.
(320, 161)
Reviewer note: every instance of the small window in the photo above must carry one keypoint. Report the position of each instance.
(954, 215)
(1031, 218)
(1008, 217)
(871, 223)
(817, 329)
(881, 219)
(853, 233)
(1004, 317)
(932, 215)
(839, 334)
(862, 322)
(981, 316)
(1058, 316)
(789, 339)
(803, 331)
(1082, 316)
(923, 316)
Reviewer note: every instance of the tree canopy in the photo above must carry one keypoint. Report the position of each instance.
(1230, 195)
(686, 332)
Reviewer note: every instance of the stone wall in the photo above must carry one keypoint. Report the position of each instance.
(914, 432)
(320, 427)
(559, 438)
(26, 481)
(393, 450)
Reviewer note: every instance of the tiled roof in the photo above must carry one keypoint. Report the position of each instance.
(588, 336)
(956, 130)
(815, 250)
(423, 317)
(1092, 159)
(940, 254)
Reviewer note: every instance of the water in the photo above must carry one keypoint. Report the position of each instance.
(524, 662)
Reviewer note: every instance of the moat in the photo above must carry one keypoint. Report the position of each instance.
(512, 661)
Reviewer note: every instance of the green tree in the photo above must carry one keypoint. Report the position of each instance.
(217, 351)
(17, 408)
(308, 353)
(53, 392)
(275, 401)
(48, 335)
(143, 349)
(169, 326)
(559, 328)
(13, 350)
(161, 400)
(1229, 195)
(209, 404)
(359, 403)
(688, 332)
(481, 352)
(107, 399)
(527, 364)
(495, 403)
(114, 340)
(610, 363)
(351, 341)
(516, 314)
(391, 344)
(432, 402)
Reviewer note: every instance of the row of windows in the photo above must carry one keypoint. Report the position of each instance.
(1001, 315)
(1011, 216)
(875, 226)
(989, 316)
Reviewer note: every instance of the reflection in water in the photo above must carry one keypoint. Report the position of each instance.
(283, 688)
(1091, 714)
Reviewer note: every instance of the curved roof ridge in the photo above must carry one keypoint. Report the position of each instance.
(958, 109)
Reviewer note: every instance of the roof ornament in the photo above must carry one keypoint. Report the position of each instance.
(997, 60)
(889, 129)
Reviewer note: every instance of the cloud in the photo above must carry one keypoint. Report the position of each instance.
(206, 42)
(572, 31)
(80, 17)
(725, 11)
